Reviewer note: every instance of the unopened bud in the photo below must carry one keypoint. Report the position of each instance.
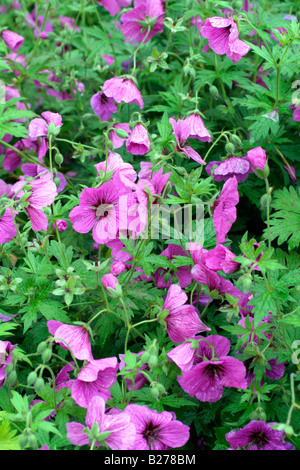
(32, 377)
(39, 384)
(23, 441)
(12, 377)
(213, 90)
(230, 148)
(46, 355)
(121, 133)
(42, 346)
(155, 392)
(153, 361)
(59, 159)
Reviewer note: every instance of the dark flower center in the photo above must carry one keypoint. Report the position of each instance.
(259, 439)
(151, 433)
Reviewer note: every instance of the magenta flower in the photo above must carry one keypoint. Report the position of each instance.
(197, 128)
(109, 280)
(33, 170)
(114, 6)
(97, 210)
(119, 426)
(61, 224)
(117, 268)
(103, 106)
(222, 35)
(296, 114)
(157, 431)
(232, 166)
(42, 194)
(135, 22)
(12, 40)
(220, 258)
(182, 273)
(224, 209)
(95, 379)
(116, 164)
(257, 435)
(257, 158)
(206, 265)
(138, 142)
(38, 129)
(182, 130)
(8, 230)
(6, 349)
(12, 159)
(182, 321)
(123, 89)
(213, 370)
(74, 337)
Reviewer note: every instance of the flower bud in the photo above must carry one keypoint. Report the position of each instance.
(59, 159)
(153, 361)
(155, 392)
(23, 441)
(145, 357)
(32, 377)
(230, 148)
(121, 133)
(32, 441)
(235, 140)
(213, 90)
(42, 346)
(57, 182)
(39, 384)
(46, 355)
(12, 377)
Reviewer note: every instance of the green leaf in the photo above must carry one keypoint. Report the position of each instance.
(8, 438)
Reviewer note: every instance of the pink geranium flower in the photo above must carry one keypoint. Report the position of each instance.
(75, 337)
(61, 224)
(224, 209)
(12, 40)
(258, 435)
(97, 210)
(222, 35)
(6, 349)
(12, 159)
(135, 21)
(212, 370)
(138, 142)
(257, 158)
(95, 379)
(123, 89)
(232, 166)
(116, 164)
(114, 6)
(8, 230)
(183, 320)
(38, 129)
(197, 128)
(157, 431)
(182, 130)
(42, 194)
(119, 425)
(182, 273)
(207, 263)
(103, 106)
